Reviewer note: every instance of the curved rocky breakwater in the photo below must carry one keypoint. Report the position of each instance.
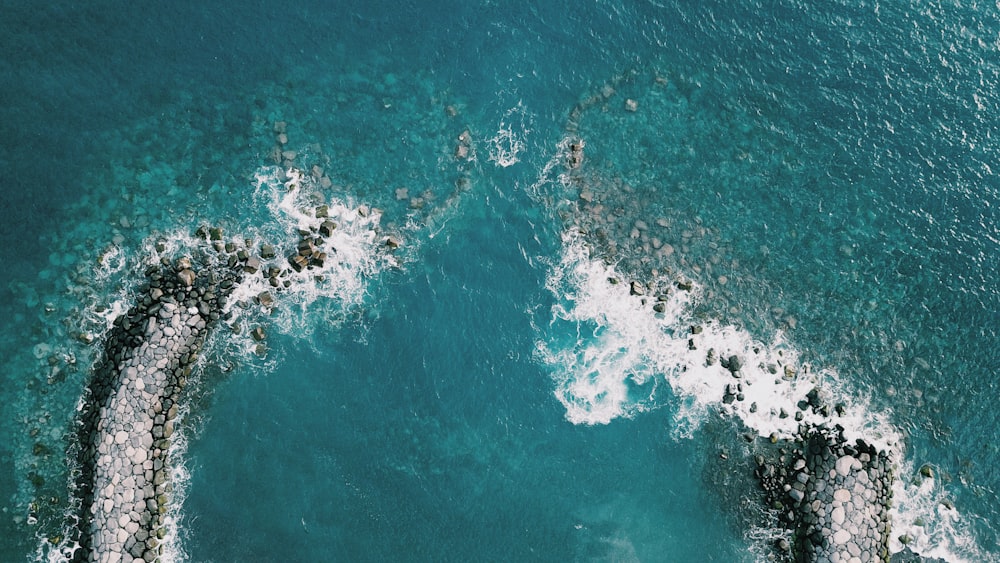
(128, 412)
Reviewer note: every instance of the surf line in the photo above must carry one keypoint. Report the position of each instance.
(127, 415)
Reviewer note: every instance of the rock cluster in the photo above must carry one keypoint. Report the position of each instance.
(127, 419)
(833, 495)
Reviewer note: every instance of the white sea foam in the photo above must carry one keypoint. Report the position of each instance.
(608, 368)
(621, 338)
(110, 262)
(923, 513)
(509, 141)
(284, 204)
(356, 251)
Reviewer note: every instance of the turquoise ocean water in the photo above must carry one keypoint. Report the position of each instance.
(821, 172)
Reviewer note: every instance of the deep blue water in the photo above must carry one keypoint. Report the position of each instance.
(820, 169)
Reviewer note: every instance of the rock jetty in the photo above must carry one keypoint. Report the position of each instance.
(128, 413)
(833, 495)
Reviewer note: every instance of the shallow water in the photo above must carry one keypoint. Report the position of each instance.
(821, 173)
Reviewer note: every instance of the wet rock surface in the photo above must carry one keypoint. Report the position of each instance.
(832, 494)
(129, 411)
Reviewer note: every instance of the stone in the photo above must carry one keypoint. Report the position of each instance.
(789, 372)
(842, 536)
(306, 247)
(735, 363)
(845, 464)
(257, 333)
(326, 228)
(266, 299)
(636, 288)
(298, 262)
(842, 495)
(252, 265)
(837, 515)
(186, 277)
(631, 105)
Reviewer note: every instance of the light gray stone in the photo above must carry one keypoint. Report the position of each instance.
(837, 515)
